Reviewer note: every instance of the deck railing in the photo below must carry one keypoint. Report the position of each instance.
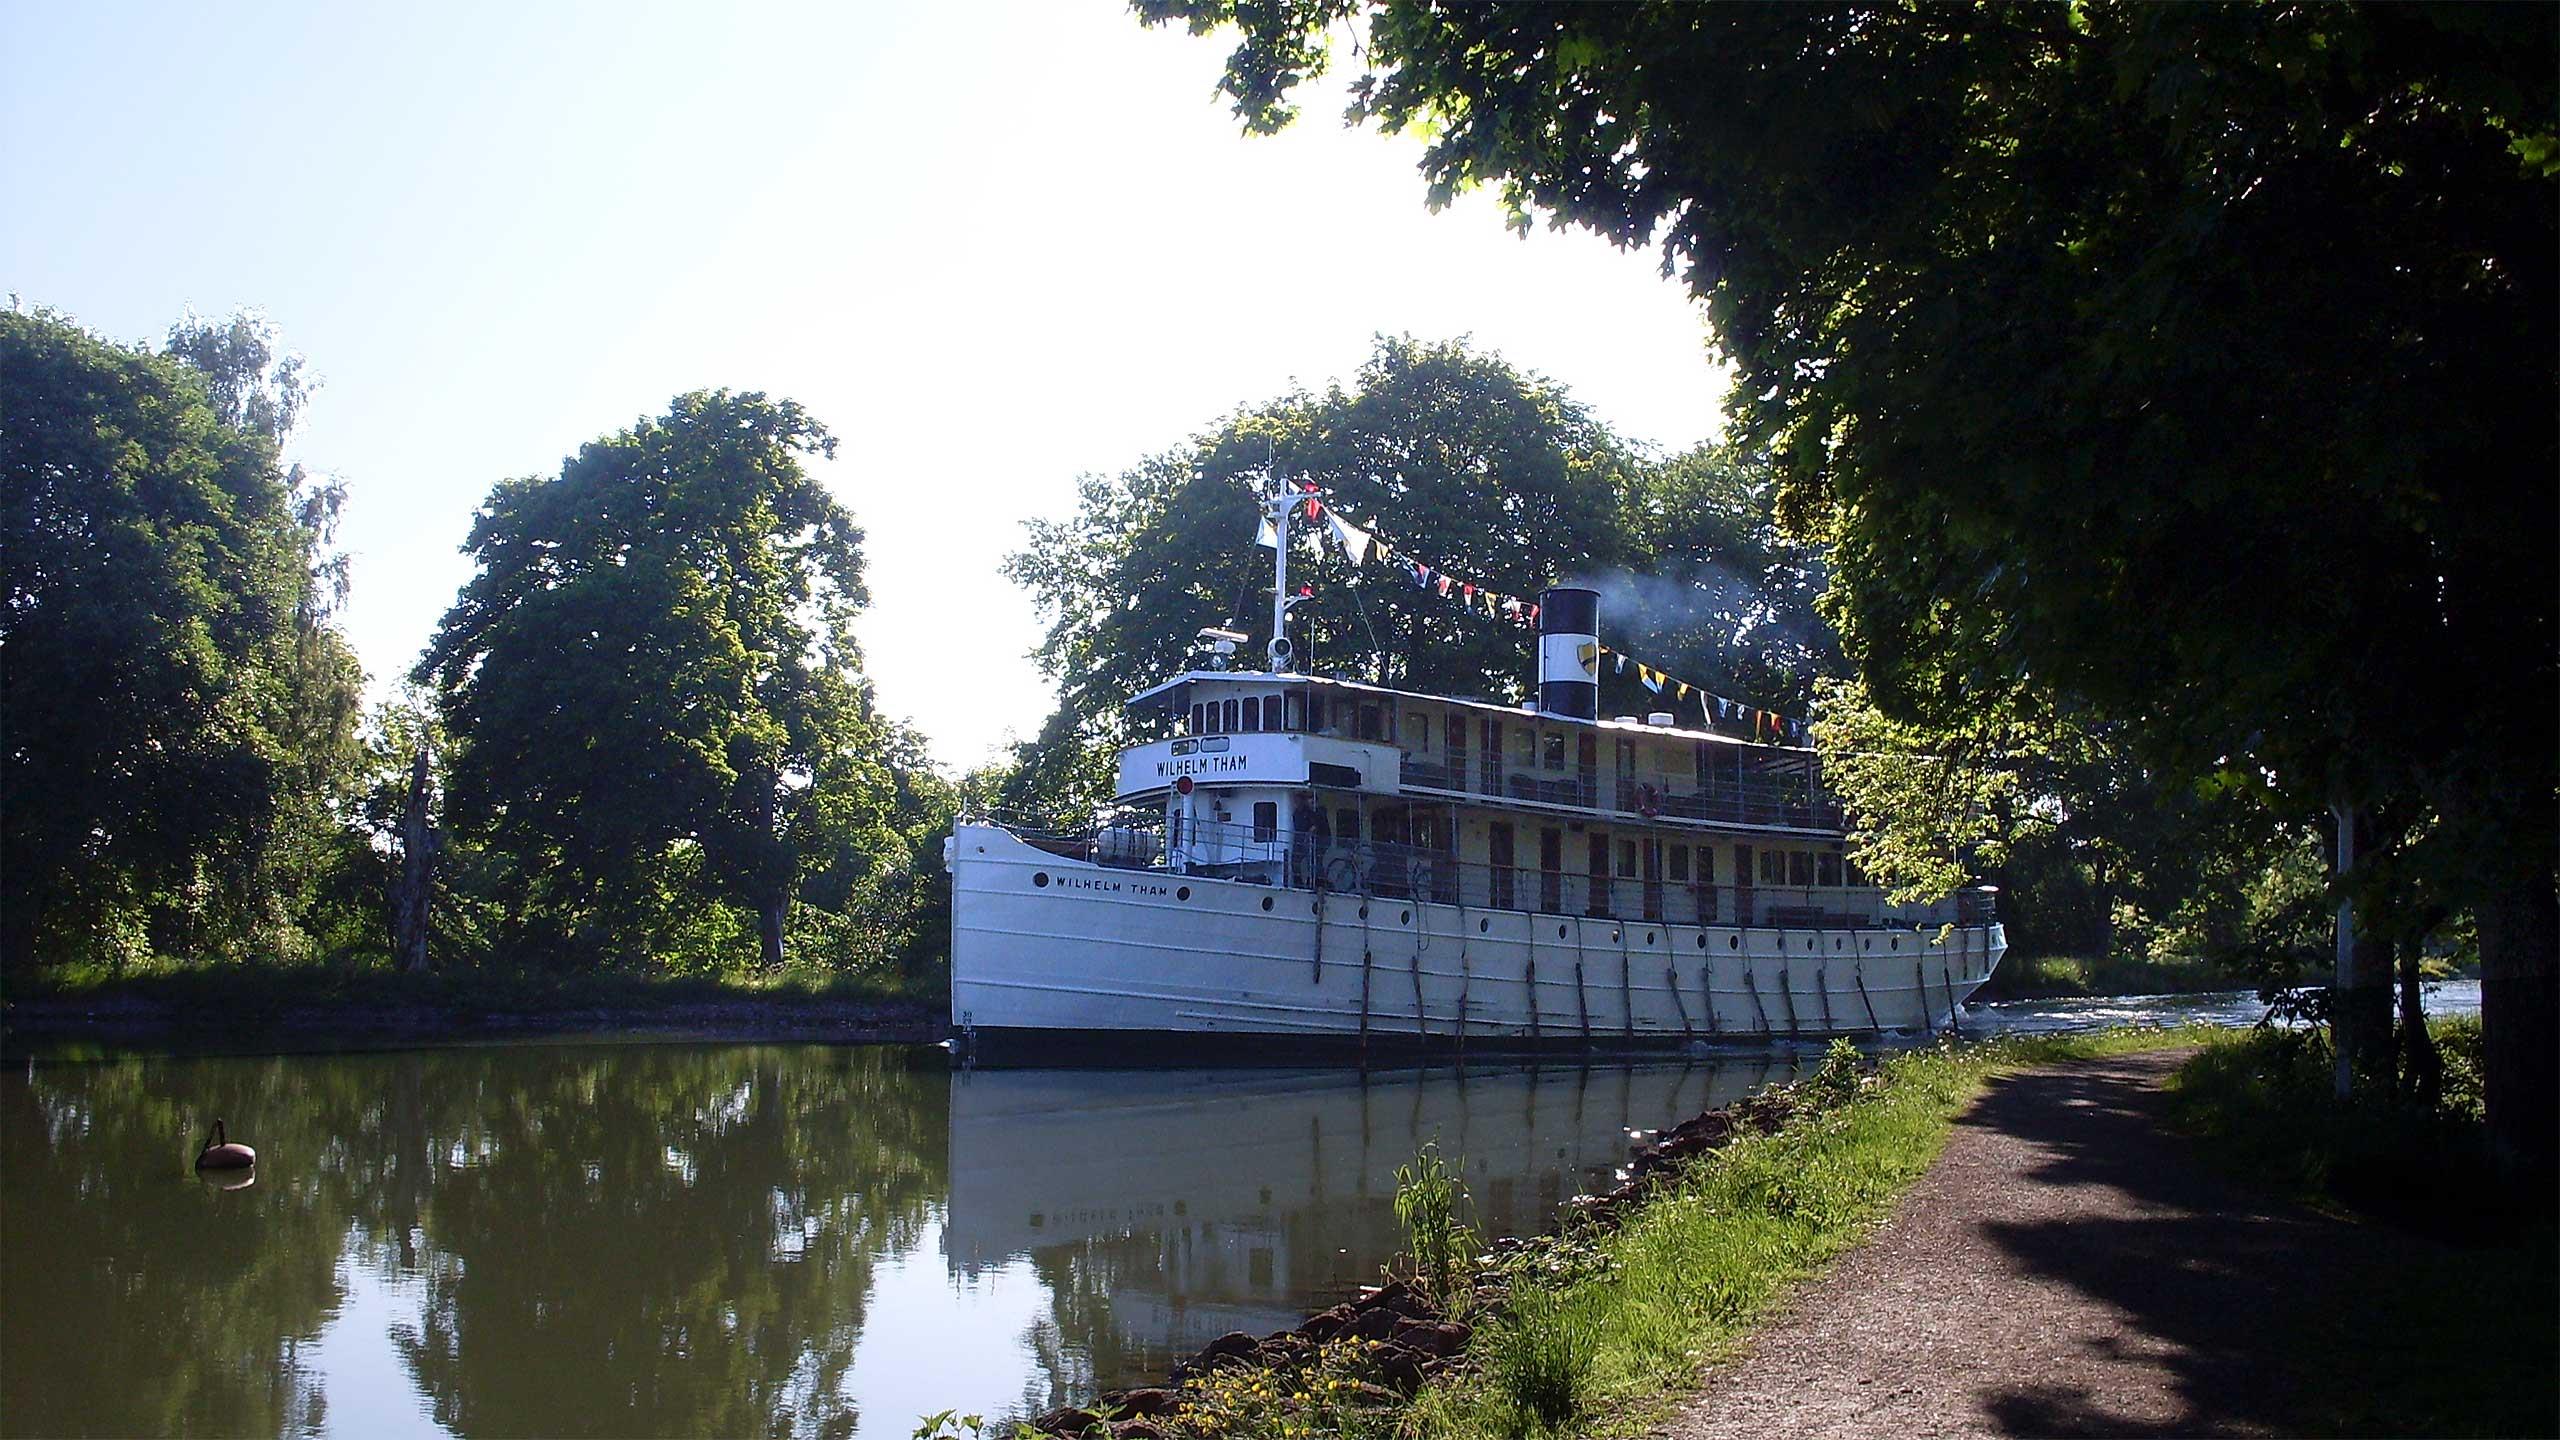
(1788, 800)
(1395, 871)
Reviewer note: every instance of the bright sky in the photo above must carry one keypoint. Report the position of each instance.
(993, 245)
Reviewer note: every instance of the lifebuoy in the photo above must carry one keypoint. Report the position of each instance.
(1648, 801)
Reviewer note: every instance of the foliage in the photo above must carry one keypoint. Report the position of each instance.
(2096, 850)
(2002, 288)
(681, 596)
(180, 711)
(1429, 1195)
(1460, 459)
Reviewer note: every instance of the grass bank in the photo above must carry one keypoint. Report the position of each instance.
(2070, 977)
(1605, 1351)
(1598, 1328)
(318, 1003)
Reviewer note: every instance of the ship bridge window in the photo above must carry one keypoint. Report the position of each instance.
(1270, 712)
(1252, 715)
(1227, 722)
(1199, 721)
(1294, 716)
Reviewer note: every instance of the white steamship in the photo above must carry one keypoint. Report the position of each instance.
(1306, 865)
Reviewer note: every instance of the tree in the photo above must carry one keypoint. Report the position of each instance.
(652, 683)
(179, 713)
(1455, 456)
(2193, 364)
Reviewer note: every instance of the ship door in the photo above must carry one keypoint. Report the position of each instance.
(1652, 879)
(1498, 858)
(1742, 913)
(1587, 758)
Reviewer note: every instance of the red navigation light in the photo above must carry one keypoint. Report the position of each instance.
(1181, 784)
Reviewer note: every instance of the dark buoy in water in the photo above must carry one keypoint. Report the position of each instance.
(224, 1153)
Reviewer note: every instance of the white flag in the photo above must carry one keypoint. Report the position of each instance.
(1355, 541)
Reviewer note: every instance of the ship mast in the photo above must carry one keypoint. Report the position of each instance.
(1280, 502)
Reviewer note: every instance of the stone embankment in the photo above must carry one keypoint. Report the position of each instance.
(1403, 1336)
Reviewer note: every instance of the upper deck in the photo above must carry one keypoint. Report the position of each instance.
(1311, 730)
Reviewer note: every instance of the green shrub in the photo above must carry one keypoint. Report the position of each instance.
(1428, 1198)
(1541, 1355)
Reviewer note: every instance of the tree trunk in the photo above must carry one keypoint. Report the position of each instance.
(416, 885)
(2520, 1023)
(769, 918)
(2424, 1067)
(2360, 996)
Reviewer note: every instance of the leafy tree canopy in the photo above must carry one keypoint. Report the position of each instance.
(1456, 458)
(178, 714)
(652, 683)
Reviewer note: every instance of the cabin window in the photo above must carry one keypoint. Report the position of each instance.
(1626, 749)
(1551, 750)
(1773, 867)
(1266, 821)
(1800, 868)
(1295, 716)
(1706, 864)
(1626, 859)
(1368, 722)
(1528, 747)
(1417, 732)
(1346, 825)
(1826, 869)
(1551, 871)
(1199, 721)
(1228, 723)
(1857, 877)
(1270, 712)
(1599, 858)
(1252, 715)
(1679, 864)
(1498, 862)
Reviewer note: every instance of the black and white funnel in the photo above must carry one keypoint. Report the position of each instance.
(1569, 652)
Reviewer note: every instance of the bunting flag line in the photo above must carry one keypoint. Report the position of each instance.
(1359, 543)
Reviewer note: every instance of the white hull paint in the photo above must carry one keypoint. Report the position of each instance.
(1042, 943)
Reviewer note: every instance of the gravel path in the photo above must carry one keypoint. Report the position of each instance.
(2068, 1267)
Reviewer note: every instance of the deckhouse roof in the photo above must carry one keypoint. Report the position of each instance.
(1168, 696)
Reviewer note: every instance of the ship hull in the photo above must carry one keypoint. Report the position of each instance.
(1056, 958)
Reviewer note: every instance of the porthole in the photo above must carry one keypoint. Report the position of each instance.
(1405, 919)
(1182, 894)
(1364, 912)
(1808, 942)
(1897, 944)
(1613, 937)
(1733, 942)
(1483, 925)
(1559, 932)
(1040, 878)
(1702, 942)
(1839, 944)
(1266, 902)
(1648, 937)
(1868, 943)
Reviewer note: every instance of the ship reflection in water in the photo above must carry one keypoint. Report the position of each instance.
(663, 1239)
(1166, 1208)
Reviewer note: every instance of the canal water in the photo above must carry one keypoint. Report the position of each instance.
(679, 1239)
